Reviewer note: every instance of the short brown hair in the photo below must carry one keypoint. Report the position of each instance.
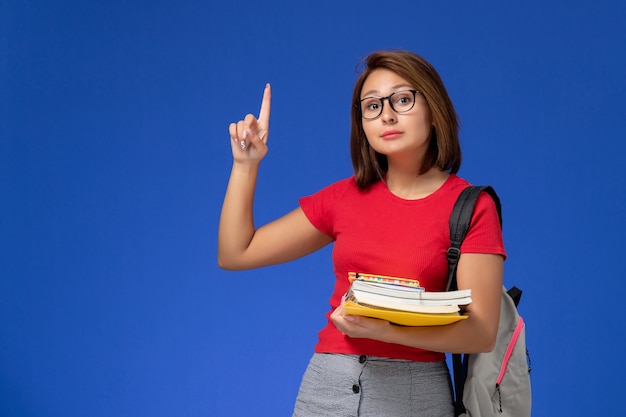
(444, 150)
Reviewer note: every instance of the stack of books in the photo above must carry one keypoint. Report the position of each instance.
(403, 301)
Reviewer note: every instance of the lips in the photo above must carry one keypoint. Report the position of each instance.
(391, 134)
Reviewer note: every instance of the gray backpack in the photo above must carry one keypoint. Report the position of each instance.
(496, 383)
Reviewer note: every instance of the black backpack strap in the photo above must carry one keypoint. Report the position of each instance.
(515, 294)
(460, 220)
(459, 368)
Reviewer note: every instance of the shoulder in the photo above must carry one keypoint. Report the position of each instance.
(344, 184)
(457, 184)
(336, 189)
(326, 198)
(321, 207)
(447, 194)
(485, 205)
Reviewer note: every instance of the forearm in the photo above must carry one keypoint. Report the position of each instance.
(466, 336)
(236, 227)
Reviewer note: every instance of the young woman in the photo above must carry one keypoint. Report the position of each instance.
(390, 218)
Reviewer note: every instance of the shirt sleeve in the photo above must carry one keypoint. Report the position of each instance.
(485, 233)
(320, 207)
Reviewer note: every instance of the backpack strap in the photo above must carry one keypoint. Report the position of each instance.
(459, 370)
(515, 294)
(460, 220)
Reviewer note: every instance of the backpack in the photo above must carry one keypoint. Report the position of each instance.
(496, 383)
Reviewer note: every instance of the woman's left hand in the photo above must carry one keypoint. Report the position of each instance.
(359, 326)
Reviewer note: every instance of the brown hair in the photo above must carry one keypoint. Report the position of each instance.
(444, 150)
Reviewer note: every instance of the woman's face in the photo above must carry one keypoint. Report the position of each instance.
(403, 131)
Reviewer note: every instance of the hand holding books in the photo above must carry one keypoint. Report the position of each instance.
(403, 301)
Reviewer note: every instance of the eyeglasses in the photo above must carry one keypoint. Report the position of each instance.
(401, 102)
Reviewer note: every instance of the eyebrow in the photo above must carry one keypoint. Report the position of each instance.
(395, 87)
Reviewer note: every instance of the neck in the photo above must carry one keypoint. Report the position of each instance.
(409, 185)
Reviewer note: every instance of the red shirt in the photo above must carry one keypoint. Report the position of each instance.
(376, 232)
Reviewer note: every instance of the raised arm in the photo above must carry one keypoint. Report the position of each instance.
(240, 245)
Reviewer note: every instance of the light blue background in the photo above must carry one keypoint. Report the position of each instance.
(114, 157)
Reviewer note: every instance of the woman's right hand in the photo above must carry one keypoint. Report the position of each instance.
(249, 136)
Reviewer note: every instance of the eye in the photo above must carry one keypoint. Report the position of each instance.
(370, 104)
(403, 98)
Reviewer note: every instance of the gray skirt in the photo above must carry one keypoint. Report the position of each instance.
(336, 385)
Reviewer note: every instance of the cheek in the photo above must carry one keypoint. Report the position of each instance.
(424, 124)
(371, 137)
(367, 129)
(369, 133)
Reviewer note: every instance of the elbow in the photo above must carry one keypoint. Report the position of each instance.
(479, 346)
(224, 263)
(227, 266)
(484, 334)
(230, 263)
(488, 346)
(487, 342)
(479, 339)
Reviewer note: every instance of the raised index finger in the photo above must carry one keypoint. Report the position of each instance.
(264, 114)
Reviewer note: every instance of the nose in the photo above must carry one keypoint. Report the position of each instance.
(388, 115)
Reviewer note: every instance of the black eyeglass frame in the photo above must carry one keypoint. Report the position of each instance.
(382, 103)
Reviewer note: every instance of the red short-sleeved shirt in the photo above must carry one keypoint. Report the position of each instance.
(376, 232)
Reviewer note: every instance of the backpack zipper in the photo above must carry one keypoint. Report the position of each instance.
(507, 356)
